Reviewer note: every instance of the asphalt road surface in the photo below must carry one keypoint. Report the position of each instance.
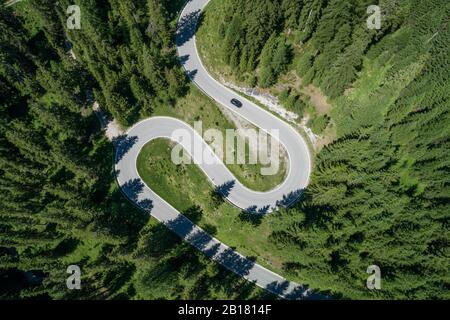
(129, 146)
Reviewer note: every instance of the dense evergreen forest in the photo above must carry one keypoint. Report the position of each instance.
(380, 193)
(60, 204)
(261, 37)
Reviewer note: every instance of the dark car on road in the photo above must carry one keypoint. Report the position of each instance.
(236, 103)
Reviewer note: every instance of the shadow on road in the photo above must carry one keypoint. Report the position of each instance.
(186, 27)
(290, 199)
(204, 242)
(225, 189)
(184, 59)
(294, 293)
(191, 74)
(133, 189)
(123, 144)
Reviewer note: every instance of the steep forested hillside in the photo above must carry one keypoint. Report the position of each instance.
(126, 47)
(261, 38)
(380, 192)
(60, 204)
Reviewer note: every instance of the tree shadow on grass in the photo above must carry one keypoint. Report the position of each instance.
(254, 219)
(65, 247)
(194, 214)
(117, 276)
(157, 241)
(210, 229)
(126, 217)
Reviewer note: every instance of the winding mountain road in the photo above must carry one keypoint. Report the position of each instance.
(129, 146)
